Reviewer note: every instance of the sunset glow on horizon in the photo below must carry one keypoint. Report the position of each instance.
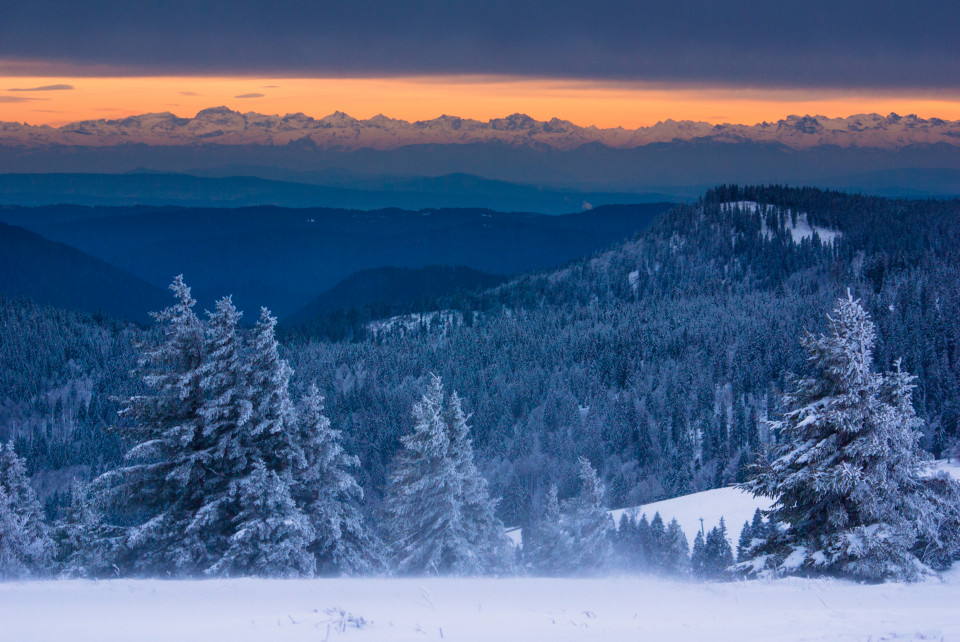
(59, 100)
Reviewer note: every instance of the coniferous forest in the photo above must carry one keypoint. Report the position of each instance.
(799, 342)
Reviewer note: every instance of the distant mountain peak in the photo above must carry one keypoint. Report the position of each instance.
(224, 126)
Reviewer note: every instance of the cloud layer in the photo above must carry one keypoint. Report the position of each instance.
(875, 44)
(43, 88)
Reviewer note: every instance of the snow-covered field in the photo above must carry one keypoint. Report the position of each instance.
(487, 610)
(490, 610)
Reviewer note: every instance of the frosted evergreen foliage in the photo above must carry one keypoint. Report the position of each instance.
(589, 524)
(331, 497)
(698, 558)
(718, 553)
(851, 481)
(273, 423)
(224, 477)
(226, 451)
(547, 546)
(25, 545)
(270, 535)
(86, 546)
(159, 486)
(484, 531)
(436, 521)
(676, 551)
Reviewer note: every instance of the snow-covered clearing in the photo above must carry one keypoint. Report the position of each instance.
(798, 226)
(487, 610)
(732, 504)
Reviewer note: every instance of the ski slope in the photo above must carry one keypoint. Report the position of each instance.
(631, 609)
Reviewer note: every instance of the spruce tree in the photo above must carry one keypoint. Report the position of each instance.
(330, 496)
(676, 550)
(484, 531)
(86, 546)
(273, 429)
(658, 537)
(698, 558)
(718, 555)
(159, 486)
(25, 544)
(628, 542)
(227, 453)
(590, 526)
(548, 548)
(434, 517)
(850, 480)
(269, 535)
(645, 544)
(745, 542)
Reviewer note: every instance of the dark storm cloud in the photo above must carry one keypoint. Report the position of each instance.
(842, 43)
(44, 88)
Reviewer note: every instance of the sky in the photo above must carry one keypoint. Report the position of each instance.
(605, 62)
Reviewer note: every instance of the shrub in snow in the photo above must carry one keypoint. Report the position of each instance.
(440, 515)
(853, 494)
(25, 545)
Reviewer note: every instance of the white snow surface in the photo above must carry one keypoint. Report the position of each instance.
(732, 504)
(799, 231)
(481, 610)
(490, 609)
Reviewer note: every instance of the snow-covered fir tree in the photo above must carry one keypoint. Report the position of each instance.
(676, 550)
(717, 552)
(330, 497)
(269, 535)
(698, 558)
(745, 543)
(589, 524)
(25, 544)
(627, 543)
(434, 519)
(657, 537)
(485, 534)
(218, 480)
(851, 485)
(645, 543)
(273, 425)
(712, 555)
(157, 490)
(85, 545)
(547, 545)
(226, 451)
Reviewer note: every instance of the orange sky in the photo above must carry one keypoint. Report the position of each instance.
(605, 104)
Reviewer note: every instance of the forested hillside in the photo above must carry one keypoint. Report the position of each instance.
(659, 360)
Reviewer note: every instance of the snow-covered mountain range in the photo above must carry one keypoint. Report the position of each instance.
(223, 126)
